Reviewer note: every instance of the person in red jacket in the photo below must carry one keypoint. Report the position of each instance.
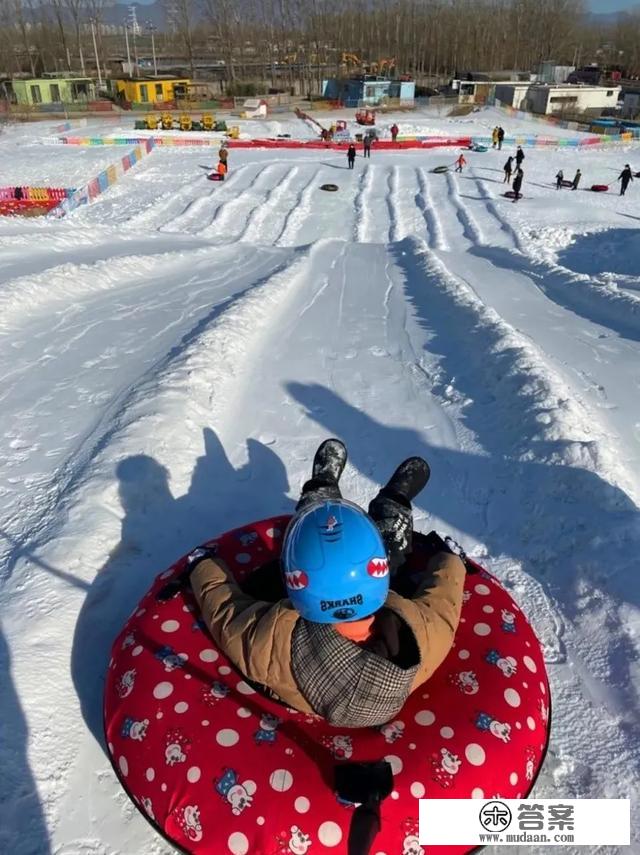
(395, 130)
(460, 162)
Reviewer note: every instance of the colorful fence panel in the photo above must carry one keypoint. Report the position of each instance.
(561, 142)
(31, 200)
(107, 178)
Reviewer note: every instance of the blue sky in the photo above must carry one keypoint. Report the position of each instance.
(611, 5)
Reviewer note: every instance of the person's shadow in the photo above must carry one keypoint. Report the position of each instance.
(157, 528)
(22, 826)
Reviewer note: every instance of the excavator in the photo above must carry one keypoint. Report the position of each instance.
(306, 118)
(382, 65)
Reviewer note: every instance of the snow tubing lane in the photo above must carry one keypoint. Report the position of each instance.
(330, 188)
(599, 188)
(218, 768)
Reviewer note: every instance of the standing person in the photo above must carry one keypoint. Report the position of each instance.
(395, 130)
(559, 179)
(625, 176)
(500, 137)
(517, 183)
(351, 155)
(494, 137)
(519, 156)
(576, 180)
(508, 169)
(368, 139)
(460, 162)
(223, 154)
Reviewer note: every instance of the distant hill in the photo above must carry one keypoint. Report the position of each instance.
(611, 17)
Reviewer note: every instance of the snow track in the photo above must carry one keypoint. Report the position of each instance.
(171, 355)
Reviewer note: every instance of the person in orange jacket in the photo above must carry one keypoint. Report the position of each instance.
(460, 162)
(222, 168)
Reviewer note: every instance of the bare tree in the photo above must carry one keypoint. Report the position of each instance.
(180, 17)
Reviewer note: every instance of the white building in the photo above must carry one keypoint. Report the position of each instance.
(548, 99)
(571, 98)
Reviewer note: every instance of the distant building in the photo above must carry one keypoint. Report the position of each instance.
(571, 98)
(50, 90)
(496, 76)
(479, 91)
(594, 75)
(368, 90)
(547, 99)
(512, 94)
(550, 72)
(631, 104)
(151, 90)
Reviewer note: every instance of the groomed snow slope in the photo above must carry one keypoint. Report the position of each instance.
(171, 355)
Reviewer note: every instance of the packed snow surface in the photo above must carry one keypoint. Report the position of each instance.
(171, 355)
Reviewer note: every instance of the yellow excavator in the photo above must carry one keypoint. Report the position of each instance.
(382, 65)
(350, 59)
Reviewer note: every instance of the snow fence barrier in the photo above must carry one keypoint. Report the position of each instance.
(420, 142)
(107, 178)
(31, 201)
(562, 142)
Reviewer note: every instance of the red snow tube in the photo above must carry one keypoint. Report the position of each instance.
(599, 188)
(219, 768)
(215, 176)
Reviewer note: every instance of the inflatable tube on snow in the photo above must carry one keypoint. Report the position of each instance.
(221, 769)
(510, 194)
(440, 169)
(599, 188)
(331, 188)
(566, 183)
(479, 148)
(215, 176)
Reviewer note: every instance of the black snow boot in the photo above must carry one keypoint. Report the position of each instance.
(328, 465)
(391, 508)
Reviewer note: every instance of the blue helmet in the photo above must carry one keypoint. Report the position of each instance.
(335, 564)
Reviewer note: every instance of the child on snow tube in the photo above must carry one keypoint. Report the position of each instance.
(342, 645)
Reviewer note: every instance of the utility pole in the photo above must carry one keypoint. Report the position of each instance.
(95, 50)
(152, 30)
(126, 38)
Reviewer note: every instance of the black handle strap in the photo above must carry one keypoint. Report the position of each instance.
(367, 784)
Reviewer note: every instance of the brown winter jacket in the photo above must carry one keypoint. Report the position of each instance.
(257, 635)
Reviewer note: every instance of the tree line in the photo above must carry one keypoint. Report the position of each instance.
(306, 39)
